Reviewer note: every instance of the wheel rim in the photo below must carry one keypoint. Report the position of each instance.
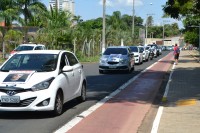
(83, 93)
(58, 104)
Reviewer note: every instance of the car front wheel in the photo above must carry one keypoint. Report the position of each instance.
(58, 107)
(101, 71)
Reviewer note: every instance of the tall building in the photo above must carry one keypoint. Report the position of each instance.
(63, 5)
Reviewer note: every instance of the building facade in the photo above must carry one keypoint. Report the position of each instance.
(63, 5)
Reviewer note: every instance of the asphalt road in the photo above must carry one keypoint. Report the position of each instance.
(99, 86)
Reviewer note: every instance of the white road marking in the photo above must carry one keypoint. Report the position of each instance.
(160, 109)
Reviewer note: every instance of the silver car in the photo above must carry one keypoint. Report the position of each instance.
(117, 58)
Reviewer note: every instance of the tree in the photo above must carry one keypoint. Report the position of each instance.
(149, 21)
(56, 30)
(8, 12)
(189, 10)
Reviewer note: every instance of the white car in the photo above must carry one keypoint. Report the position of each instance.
(145, 53)
(26, 47)
(137, 54)
(41, 80)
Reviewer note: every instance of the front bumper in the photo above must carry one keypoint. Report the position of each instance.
(113, 67)
(29, 101)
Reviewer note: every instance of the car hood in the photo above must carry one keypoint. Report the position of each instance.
(114, 57)
(25, 79)
(135, 53)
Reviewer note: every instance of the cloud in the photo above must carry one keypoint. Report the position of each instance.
(121, 3)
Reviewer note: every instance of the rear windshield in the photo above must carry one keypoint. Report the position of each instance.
(109, 51)
(23, 48)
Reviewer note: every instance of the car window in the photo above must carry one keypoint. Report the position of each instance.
(72, 59)
(37, 62)
(63, 61)
(147, 48)
(109, 51)
(134, 49)
(39, 48)
(23, 48)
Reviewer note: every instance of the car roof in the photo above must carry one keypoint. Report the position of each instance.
(31, 45)
(42, 52)
(118, 47)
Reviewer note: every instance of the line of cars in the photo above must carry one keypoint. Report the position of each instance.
(43, 80)
(124, 58)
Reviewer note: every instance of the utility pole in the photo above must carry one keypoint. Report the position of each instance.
(133, 23)
(104, 26)
(164, 30)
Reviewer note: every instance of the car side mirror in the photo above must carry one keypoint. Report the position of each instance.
(67, 69)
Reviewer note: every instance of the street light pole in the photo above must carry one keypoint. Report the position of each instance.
(199, 42)
(104, 26)
(133, 23)
(164, 30)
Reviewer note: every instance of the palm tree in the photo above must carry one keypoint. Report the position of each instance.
(29, 8)
(56, 26)
(8, 11)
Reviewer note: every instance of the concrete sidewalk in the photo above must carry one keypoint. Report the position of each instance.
(181, 111)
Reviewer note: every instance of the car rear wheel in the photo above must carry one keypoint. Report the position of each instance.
(58, 107)
(82, 98)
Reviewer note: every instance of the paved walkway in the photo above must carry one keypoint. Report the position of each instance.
(181, 112)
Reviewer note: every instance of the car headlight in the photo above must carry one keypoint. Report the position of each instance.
(103, 60)
(122, 61)
(136, 55)
(42, 85)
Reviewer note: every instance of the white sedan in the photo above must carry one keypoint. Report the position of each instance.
(41, 81)
(145, 53)
(137, 54)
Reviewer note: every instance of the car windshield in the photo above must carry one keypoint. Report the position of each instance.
(23, 48)
(36, 62)
(109, 51)
(134, 49)
(147, 48)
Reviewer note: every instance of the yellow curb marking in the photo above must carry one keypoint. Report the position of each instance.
(164, 99)
(186, 102)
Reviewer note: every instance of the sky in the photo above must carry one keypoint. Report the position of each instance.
(92, 9)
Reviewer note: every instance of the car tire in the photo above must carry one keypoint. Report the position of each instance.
(101, 71)
(82, 98)
(58, 106)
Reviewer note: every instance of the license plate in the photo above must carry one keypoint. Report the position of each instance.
(112, 67)
(10, 99)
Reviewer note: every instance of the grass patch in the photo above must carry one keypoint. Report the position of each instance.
(89, 59)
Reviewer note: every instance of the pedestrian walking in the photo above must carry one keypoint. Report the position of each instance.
(176, 54)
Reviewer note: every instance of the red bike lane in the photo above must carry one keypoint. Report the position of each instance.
(125, 112)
